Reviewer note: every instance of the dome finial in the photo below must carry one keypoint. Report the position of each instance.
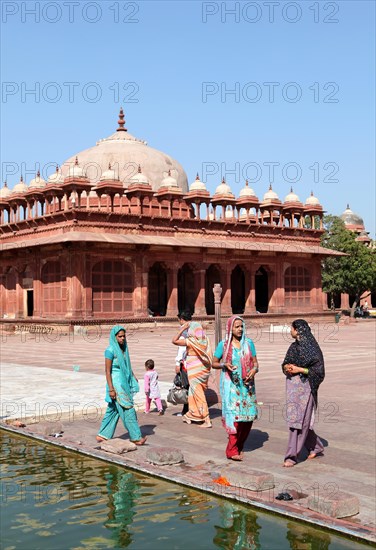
(139, 168)
(21, 178)
(270, 187)
(291, 191)
(76, 162)
(38, 174)
(121, 121)
(348, 206)
(197, 177)
(246, 183)
(223, 179)
(109, 165)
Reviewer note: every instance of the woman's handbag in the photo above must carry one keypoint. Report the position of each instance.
(177, 396)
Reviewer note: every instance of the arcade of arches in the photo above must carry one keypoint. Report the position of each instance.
(75, 285)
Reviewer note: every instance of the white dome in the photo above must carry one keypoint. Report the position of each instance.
(56, 178)
(5, 191)
(350, 218)
(125, 153)
(76, 171)
(270, 195)
(109, 174)
(139, 178)
(37, 182)
(312, 200)
(20, 187)
(247, 191)
(229, 214)
(197, 185)
(223, 189)
(169, 181)
(292, 197)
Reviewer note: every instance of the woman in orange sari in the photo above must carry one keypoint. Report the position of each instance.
(198, 362)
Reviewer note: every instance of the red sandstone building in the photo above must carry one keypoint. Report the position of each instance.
(117, 233)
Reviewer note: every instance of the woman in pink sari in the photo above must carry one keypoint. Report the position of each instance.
(198, 362)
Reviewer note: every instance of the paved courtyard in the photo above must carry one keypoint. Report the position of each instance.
(62, 377)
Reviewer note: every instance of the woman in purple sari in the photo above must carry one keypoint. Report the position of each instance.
(304, 369)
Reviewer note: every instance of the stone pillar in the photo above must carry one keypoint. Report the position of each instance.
(140, 293)
(345, 304)
(200, 292)
(172, 291)
(217, 291)
(75, 277)
(226, 300)
(250, 304)
(38, 288)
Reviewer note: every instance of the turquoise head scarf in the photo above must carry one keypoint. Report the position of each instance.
(128, 383)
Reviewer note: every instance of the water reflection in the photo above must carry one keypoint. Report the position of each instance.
(239, 529)
(60, 500)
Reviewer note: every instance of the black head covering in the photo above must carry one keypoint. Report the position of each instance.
(305, 352)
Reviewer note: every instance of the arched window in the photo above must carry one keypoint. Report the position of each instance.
(297, 286)
(54, 289)
(112, 288)
(157, 290)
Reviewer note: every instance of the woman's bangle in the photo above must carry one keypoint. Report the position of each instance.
(306, 371)
(222, 365)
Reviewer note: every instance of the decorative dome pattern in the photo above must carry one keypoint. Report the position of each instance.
(292, 197)
(37, 182)
(169, 181)
(247, 191)
(139, 178)
(5, 192)
(197, 185)
(270, 195)
(20, 187)
(56, 178)
(312, 200)
(350, 218)
(125, 153)
(224, 189)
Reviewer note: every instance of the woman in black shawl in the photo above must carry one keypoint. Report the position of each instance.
(304, 370)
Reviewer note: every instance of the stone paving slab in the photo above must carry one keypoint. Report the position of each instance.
(346, 416)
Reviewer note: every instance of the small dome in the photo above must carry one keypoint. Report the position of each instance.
(229, 214)
(169, 181)
(20, 187)
(139, 178)
(312, 200)
(57, 177)
(223, 189)
(108, 174)
(5, 191)
(247, 191)
(37, 182)
(270, 195)
(76, 171)
(197, 185)
(292, 197)
(350, 218)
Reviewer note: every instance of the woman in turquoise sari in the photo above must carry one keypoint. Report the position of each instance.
(236, 357)
(120, 389)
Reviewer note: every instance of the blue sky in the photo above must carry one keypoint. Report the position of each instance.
(172, 66)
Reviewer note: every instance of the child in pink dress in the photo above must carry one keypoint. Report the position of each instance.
(152, 388)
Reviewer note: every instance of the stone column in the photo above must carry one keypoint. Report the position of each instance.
(200, 292)
(217, 291)
(172, 291)
(345, 304)
(250, 304)
(226, 300)
(38, 288)
(75, 277)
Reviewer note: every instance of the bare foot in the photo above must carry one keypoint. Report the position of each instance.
(186, 420)
(100, 439)
(313, 455)
(206, 424)
(289, 463)
(140, 441)
(238, 458)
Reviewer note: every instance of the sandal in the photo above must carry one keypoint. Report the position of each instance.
(186, 420)
(100, 439)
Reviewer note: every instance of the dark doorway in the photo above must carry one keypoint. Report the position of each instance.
(262, 290)
(212, 277)
(30, 302)
(336, 303)
(373, 299)
(237, 290)
(186, 289)
(157, 303)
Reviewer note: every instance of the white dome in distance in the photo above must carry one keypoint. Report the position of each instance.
(76, 171)
(247, 191)
(139, 178)
(223, 189)
(169, 181)
(5, 191)
(108, 174)
(292, 197)
(270, 195)
(57, 177)
(20, 187)
(37, 182)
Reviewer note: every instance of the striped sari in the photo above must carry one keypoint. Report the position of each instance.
(198, 367)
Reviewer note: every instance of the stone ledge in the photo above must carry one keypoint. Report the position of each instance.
(250, 480)
(340, 505)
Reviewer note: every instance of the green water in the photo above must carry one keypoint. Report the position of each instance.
(53, 499)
